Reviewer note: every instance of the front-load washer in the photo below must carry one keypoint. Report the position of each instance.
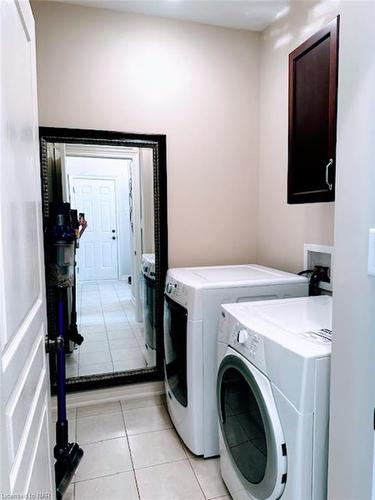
(148, 292)
(191, 314)
(273, 398)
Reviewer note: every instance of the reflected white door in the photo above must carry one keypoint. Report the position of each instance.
(25, 438)
(97, 254)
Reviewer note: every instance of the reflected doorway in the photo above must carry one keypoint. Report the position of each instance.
(114, 196)
(117, 287)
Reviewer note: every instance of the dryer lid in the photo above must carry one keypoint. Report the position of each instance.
(228, 276)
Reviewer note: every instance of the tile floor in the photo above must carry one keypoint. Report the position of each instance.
(132, 452)
(113, 338)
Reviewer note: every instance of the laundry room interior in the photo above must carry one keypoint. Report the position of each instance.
(187, 249)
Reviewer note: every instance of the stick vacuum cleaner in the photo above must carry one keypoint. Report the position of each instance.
(73, 334)
(61, 240)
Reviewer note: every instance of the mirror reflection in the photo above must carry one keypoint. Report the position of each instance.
(112, 302)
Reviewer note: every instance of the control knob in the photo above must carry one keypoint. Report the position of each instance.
(242, 336)
(169, 287)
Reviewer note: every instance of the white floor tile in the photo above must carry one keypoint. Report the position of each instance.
(130, 364)
(99, 409)
(96, 428)
(208, 474)
(113, 306)
(172, 481)
(155, 448)
(72, 429)
(69, 494)
(125, 354)
(72, 359)
(89, 329)
(95, 369)
(104, 458)
(122, 343)
(100, 336)
(118, 487)
(88, 358)
(71, 371)
(94, 346)
(117, 325)
(130, 404)
(92, 320)
(151, 418)
(114, 316)
(103, 310)
(159, 457)
(121, 333)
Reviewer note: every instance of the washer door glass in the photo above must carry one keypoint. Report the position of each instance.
(175, 343)
(149, 312)
(243, 426)
(250, 428)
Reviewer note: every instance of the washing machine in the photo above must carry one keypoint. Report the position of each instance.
(191, 314)
(148, 303)
(273, 398)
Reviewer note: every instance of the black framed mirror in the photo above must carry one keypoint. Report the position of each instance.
(117, 183)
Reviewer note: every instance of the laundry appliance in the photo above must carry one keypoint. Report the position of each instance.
(148, 291)
(191, 315)
(273, 398)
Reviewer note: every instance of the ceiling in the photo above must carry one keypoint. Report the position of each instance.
(244, 14)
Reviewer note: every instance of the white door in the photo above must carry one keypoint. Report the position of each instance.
(135, 203)
(97, 253)
(25, 437)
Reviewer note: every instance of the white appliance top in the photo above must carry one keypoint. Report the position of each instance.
(148, 265)
(232, 276)
(149, 258)
(302, 325)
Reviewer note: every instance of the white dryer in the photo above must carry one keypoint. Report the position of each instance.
(273, 398)
(148, 305)
(191, 315)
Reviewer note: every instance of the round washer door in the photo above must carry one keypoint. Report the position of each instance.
(251, 427)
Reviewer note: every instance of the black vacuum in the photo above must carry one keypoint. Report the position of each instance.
(73, 334)
(61, 238)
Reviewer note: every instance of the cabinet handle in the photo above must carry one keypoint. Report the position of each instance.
(329, 184)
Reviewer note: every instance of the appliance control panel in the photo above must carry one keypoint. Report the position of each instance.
(322, 336)
(249, 344)
(176, 290)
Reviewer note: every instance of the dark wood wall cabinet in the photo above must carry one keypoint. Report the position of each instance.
(313, 69)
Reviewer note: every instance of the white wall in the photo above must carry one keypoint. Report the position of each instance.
(353, 350)
(197, 84)
(118, 170)
(283, 229)
(146, 167)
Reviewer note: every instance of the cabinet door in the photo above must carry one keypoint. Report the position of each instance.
(312, 117)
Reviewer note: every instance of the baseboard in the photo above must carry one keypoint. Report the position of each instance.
(125, 392)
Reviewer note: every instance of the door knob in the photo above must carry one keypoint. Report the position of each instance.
(113, 237)
(113, 230)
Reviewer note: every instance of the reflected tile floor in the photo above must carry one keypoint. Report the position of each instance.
(113, 338)
(131, 451)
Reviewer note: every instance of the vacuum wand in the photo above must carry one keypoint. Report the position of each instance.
(61, 243)
(73, 334)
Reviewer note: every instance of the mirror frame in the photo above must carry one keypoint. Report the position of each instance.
(158, 143)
